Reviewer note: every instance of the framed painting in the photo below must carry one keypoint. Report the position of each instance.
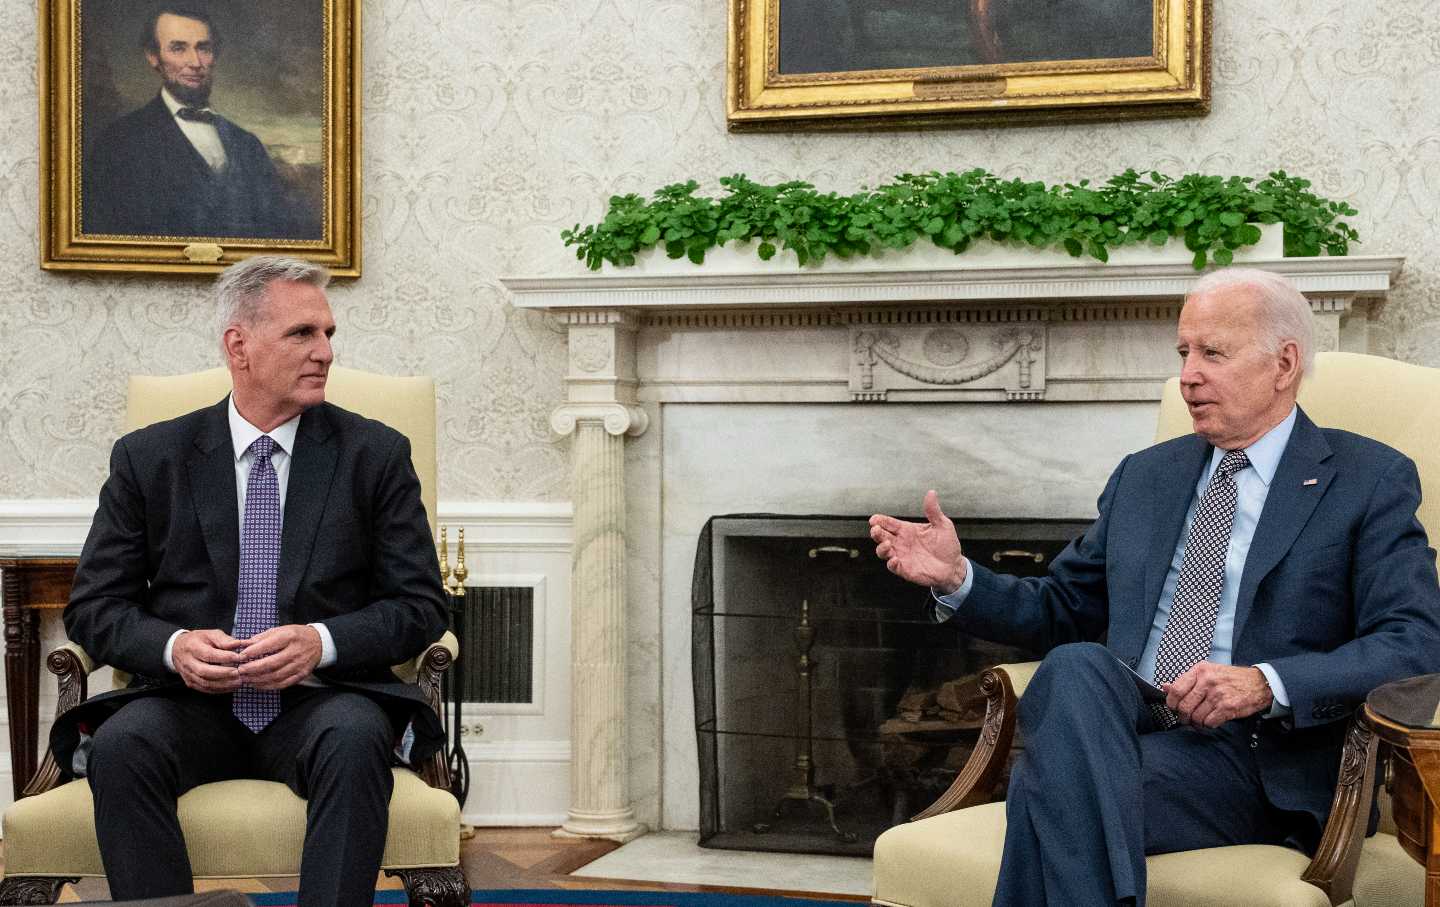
(845, 64)
(181, 137)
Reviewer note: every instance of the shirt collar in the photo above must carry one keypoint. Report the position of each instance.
(1264, 454)
(174, 105)
(243, 434)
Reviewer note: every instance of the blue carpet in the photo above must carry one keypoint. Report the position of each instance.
(549, 897)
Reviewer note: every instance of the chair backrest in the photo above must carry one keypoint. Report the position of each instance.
(406, 404)
(1393, 402)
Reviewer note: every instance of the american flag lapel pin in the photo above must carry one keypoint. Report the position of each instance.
(1308, 482)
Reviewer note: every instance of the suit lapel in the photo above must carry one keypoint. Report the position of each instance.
(212, 482)
(312, 466)
(1171, 495)
(181, 151)
(1288, 507)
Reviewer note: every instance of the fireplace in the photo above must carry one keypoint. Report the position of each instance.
(1012, 390)
(828, 706)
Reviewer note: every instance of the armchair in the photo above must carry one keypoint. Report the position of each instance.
(949, 855)
(50, 833)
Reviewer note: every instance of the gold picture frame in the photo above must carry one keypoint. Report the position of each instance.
(272, 167)
(855, 64)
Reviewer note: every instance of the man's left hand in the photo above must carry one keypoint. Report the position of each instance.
(280, 657)
(1209, 694)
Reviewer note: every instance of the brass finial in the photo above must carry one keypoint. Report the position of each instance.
(460, 571)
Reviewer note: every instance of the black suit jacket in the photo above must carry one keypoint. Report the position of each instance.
(1339, 591)
(163, 555)
(142, 176)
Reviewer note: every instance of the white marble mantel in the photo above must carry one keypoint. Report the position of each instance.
(865, 335)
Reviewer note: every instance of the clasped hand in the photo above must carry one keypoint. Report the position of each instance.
(213, 661)
(1209, 694)
(927, 553)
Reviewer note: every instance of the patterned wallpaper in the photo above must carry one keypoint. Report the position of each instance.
(491, 124)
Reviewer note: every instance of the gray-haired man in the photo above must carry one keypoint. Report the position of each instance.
(257, 565)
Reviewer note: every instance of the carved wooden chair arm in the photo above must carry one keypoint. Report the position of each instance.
(1002, 686)
(1333, 867)
(426, 670)
(71, 665)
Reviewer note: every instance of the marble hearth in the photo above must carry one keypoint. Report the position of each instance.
(1012, 391)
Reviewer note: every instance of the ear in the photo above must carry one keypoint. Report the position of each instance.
(152, 58)
(1287, 366)
(233, 342)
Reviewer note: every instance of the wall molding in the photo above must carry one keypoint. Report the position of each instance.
(56, 527)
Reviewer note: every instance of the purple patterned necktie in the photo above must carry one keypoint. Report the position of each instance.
(1190, 630)
(259, 564)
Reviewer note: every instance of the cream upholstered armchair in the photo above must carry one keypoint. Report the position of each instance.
(949, 856)
(50, 834)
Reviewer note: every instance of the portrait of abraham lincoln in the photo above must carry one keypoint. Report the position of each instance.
(202, 118)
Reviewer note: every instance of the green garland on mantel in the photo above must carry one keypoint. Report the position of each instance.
(1216, 215)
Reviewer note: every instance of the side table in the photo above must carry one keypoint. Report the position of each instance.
(1406, 716)
(28, 586)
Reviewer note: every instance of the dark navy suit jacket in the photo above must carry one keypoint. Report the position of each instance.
(143, 176)
(163, 554)
(1339, 591)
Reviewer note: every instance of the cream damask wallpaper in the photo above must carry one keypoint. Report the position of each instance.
(489, 125)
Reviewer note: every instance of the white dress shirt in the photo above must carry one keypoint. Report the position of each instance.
(242, 435)
(204, 136)
(1253, 487)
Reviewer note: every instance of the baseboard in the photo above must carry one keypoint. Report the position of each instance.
(523, 782)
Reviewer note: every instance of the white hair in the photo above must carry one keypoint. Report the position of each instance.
(1285, 314)
(242, 289)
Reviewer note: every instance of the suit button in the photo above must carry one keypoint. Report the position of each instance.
(1255, 740)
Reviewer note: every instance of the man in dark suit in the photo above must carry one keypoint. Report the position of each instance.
(174, 167)
(1264, 572)
(258, 566)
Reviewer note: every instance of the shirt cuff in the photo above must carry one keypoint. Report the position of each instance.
(327, 646)
(943, 607)
(169, 653)
(1281, 706)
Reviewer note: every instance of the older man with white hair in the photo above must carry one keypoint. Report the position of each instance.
(1263, 572)
(257, 565)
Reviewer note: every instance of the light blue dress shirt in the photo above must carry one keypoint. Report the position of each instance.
(1253, 487)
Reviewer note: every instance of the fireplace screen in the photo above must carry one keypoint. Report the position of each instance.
(828, 706)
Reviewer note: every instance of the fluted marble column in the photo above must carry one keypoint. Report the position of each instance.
(600, 415)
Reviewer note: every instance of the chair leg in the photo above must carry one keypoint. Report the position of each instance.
(439, 886)
(31, 889)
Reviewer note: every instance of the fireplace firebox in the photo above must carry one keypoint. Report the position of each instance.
(828, 705)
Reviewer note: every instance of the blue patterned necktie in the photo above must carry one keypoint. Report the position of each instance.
(1190, 630)
(259, 564)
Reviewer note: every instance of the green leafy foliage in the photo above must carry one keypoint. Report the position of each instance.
(1214, 215)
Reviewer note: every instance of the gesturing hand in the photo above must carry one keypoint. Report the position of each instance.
(280, 657)
(927, 553)
(207, 660)
(1211, 694)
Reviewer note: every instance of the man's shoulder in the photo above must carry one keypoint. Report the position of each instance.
(353, 425)
(140, 122)
(1349, 447)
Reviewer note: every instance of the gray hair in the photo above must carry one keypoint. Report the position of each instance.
(242, 289)
(1285, 312)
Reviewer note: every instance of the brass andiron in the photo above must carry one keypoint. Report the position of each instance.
(803, 789)
(454, 580)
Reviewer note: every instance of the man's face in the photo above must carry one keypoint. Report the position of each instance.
(1235, 390)
(186, 59)
(280, 363)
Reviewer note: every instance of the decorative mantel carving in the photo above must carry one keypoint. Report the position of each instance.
(938, 360)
